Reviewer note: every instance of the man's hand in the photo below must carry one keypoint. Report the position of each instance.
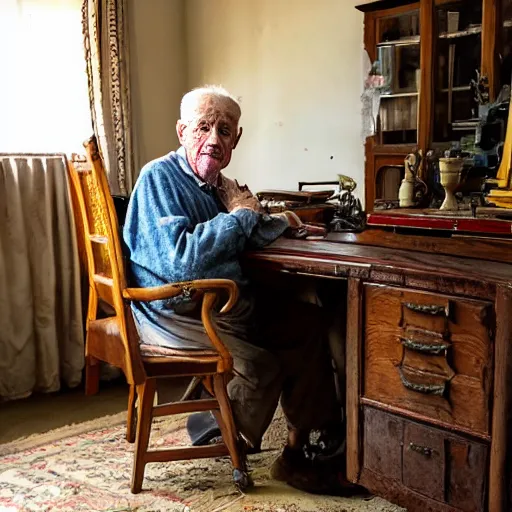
(235, 197)
(249, 203)
(292, 218)
(297, 228)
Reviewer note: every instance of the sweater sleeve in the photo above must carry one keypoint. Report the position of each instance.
(267, 230)
(161, 237)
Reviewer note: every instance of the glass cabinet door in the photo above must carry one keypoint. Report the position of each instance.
(504, 73)
(398, 56)
(456, 63)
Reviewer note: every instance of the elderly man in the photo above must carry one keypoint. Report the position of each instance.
(187, 221)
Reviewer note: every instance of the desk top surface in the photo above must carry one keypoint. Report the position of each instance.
(379, 257)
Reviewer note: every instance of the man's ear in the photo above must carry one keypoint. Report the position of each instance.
(180, 130)
(238, 137)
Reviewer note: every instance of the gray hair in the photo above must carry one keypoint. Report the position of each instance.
(191, 99)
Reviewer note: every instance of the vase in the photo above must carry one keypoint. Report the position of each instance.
(449, 175)
(406, 193)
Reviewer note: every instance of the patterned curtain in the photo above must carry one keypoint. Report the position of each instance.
(106, 51)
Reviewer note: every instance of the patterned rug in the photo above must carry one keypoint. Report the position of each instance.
(87, 467)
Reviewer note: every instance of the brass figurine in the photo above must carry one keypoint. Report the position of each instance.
(349, 215)
(413, 189)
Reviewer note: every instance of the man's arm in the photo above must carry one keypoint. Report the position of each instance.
(209, 243)
(162, 239)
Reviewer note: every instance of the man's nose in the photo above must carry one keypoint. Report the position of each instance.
(213, 139)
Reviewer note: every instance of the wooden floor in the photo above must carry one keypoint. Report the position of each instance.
(44, 412)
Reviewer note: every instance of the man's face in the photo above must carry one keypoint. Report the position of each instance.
(210, 137)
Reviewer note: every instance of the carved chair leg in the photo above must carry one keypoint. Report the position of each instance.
(146, 394)
(92, 375)
(229, 432)
(131, 421)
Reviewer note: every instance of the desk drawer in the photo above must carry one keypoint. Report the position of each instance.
(436, 464)
(429, 354)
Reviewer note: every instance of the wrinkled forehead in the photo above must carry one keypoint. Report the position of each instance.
(215, 109)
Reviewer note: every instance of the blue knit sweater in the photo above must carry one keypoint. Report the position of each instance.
(176, 229)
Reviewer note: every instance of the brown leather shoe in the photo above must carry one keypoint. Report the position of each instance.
(316, 478)
(287, 463)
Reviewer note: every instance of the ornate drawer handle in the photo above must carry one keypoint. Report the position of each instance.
(427, 389)
(427, 348)
(428, 309)
(424, 450)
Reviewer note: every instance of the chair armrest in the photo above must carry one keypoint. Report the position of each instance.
(168, 291)
(209, 287)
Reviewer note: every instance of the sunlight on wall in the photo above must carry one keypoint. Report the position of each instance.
(44, 104)
(299, 72)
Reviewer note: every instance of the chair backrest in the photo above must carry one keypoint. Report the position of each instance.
(101, 232)
(105, 266)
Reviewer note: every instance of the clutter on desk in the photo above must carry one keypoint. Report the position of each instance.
(476, 168)
(413, 188)
(469, 183)
(349, 215)
(310, 206)
(338, 211)
(469, 174)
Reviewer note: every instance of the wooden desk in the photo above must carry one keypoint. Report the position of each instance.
(428, 369)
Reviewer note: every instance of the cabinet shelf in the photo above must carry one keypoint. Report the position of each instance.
(461, 88)
(461, 33)
(406, 41)
(465, 125)
(399, 95)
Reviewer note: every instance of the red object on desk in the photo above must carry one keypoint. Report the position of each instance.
(459, 222)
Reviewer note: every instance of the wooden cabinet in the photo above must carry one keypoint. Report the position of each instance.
(428, 366)
(428, 51)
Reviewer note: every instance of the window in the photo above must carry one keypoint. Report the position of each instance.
(44, 104)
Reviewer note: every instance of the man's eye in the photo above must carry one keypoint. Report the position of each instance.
(204, 129)
(225, 133)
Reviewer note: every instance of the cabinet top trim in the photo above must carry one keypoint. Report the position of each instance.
(383, 4)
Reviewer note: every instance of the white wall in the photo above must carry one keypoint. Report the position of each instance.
(158, 72)
(297, 65)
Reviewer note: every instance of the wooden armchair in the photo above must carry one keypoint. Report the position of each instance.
(115, 339)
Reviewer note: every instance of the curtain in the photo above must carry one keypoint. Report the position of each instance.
(106, 51)
(41, 329)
